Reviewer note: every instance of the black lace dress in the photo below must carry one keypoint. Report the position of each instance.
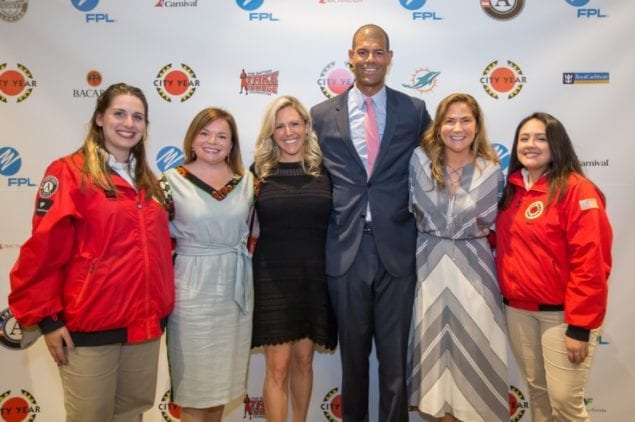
(291, 295)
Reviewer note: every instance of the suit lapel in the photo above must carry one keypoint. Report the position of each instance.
(341, 120)
(392, 117)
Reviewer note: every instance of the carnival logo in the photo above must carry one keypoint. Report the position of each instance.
(176, 83)
(17, 408)
(517, 404)
(13, 10)
(169, 157)
(169, 411)
(263, 82)
(507, 80)
(17, 83)
(502, 9)
(423, 81)
(585, 78)
(503, 156)
(168, 3)
(332, 405)
(334, 81)
(93, 79)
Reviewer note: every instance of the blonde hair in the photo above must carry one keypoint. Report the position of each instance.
(267, 154)
(434, 147)
(95, 152)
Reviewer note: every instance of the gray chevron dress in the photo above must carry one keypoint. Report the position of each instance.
(457, 357)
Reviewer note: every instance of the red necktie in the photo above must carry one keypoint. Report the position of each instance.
(371, 130)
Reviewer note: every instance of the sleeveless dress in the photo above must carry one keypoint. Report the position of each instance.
(291, 295)
(457, 352)
(209, 331)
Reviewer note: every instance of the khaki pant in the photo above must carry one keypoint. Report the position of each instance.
(110, 383)
(556, 386)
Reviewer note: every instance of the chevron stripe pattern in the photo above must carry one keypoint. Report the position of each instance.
(457, 360)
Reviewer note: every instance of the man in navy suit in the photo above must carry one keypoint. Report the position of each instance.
(370, 248)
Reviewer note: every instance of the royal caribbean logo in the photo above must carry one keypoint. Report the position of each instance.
(507, 80)
(93, 80)
(168, 3)
(584, 12)
(335, 80)
(262, 82)
(585, 78)
(13, 10)
(169, 157)
(176, 83)
(251, 6)
(517, 404)
(414, 6)
(423, 80)
(332, 405)
(502, 9)
(88, 6)
(18, 408)
(17, 83)
(503, 156)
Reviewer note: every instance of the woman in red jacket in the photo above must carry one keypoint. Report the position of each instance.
(553, 259)
(96, 274)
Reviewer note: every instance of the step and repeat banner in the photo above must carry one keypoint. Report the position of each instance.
(572, 58)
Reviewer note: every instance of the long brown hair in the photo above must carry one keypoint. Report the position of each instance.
(564, 160)
(96, 155)
(434, 147)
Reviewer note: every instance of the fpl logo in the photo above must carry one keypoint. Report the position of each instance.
(10, 164)
(503, 156)
(87, 6)
(583, 12)
(251, 6)
(414, 6)
(169, 157)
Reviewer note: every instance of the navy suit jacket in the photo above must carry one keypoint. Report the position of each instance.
(386, 191)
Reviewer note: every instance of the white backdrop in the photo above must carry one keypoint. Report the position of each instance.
(572, 58)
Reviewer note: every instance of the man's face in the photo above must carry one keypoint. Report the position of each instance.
(370, 59)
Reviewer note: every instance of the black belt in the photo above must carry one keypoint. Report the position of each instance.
(368, 226)
(533, 306)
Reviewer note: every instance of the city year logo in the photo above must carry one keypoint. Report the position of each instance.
(169, 157)
(503, 156)
(575, 78)
(10, 164)
(94, 80)
(332, 405)
(18, 83)
(176, 83)
(169, 411)
(414, 6)
(182, 3)
(87, 6)
(508, 80)
(534, 210)
(335, 80)
(262, 82)
(423, 80)
(502, 9)
(251, 6)
(17, 408)
(517, 404)
(584, 12)
(13, 10)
